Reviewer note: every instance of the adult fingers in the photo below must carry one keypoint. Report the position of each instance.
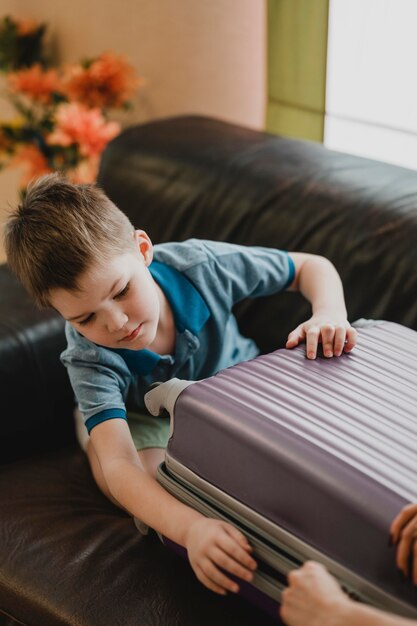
(415, 561)
(403, 517)
(286, 604)
(309, 568)
(313, 567)
(293, 577)
(405, 546)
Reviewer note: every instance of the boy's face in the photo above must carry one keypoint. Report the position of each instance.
(118, 305)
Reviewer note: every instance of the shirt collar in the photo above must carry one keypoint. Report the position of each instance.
(187, 304)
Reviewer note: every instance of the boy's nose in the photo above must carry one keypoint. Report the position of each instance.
(116, 321)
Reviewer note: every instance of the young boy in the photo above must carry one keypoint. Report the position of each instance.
(137, 314)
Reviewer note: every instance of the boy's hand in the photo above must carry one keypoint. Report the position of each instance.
(403, 532)
(213, 546)
(330, 328)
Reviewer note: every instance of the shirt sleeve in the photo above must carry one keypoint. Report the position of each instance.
(99, 377)
(249, 271)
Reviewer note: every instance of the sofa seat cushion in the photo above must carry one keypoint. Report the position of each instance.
(60, 534)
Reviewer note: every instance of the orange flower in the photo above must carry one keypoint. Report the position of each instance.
(26, 27)
(5, 142)
(6, 147)
(36, 83)
(109, 81)
(33, 162)
(76, 124)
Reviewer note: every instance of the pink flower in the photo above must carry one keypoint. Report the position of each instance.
(76, 124)
(35, 83)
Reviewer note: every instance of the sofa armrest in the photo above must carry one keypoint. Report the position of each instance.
(36, 397)
(199, 177)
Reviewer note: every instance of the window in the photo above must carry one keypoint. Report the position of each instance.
(371, 93)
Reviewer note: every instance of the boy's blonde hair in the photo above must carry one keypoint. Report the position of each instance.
(58, 231)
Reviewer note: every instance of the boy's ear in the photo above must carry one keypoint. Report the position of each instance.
(145, 245)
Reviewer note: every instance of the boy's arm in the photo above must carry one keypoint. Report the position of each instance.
(210, 543)
(317, 279)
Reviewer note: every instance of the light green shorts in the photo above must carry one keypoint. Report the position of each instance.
(148, 431)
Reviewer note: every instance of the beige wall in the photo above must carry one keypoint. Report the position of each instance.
(197, 56)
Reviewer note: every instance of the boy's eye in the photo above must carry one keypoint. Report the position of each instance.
(123, 292)
(86, 320)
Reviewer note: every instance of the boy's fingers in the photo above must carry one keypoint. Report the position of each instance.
(216, 576)
(339, 340)
(351, 339)
(235, 533)
(203, 578)
(237, 536)
(312, 338)
(240, 555)
(327, 338)
(235, 550)
(230, 565)
(295, 337)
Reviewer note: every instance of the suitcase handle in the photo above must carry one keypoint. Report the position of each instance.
(161, 397)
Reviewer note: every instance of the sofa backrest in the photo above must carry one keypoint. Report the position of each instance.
(198, 177)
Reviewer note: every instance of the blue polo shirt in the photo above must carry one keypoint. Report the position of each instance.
(202, 281)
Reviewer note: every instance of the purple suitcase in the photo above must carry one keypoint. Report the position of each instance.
(310, 459)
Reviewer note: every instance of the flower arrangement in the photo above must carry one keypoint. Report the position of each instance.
(61, 119)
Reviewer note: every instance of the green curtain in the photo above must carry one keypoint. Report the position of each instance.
(297, 50)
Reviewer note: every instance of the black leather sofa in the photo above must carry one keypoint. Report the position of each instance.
(67, 555)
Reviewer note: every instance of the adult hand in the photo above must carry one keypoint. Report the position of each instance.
(404, 534)
(313, 598)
